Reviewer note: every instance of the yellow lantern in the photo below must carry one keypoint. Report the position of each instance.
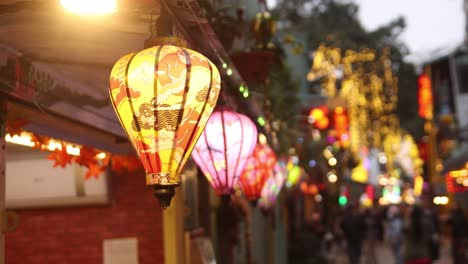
(164, 96)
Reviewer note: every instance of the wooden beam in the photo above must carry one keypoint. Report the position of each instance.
(45, 123)
(3, 113)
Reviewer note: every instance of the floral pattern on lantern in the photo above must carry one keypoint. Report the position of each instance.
(222, 151)
(163, 97)
(258, 169)
(273, 186)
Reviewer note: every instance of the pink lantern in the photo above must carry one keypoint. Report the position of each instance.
(258, 169)
(223, 148)
(273, 186)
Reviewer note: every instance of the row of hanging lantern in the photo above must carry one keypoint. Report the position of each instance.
(164, 121)
(164, 96)
(229, 156)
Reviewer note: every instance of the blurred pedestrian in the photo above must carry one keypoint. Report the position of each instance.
(394, 234)
(459, 225)
(353, 226)
(418, 231)
(433, 215)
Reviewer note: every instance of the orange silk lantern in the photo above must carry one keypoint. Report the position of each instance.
(163, 97)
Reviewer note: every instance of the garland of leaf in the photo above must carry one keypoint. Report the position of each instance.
(88, 155)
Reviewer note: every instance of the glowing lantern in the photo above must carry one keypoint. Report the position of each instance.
(340, 120)
(221, 152)
(425, 96)
(319, 117)
(258, 169)
(163, 97)
(273, 186)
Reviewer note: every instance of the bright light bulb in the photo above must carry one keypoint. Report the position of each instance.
(101, 155)
(75, 151)
(444, 200)
(465, 182)
(332, 177)
(332, 162)
(90, 7)
(24, 139)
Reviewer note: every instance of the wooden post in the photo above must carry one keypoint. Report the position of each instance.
(173, 230)
(3, 113)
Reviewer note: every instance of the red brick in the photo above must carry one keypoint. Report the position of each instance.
(75, 235)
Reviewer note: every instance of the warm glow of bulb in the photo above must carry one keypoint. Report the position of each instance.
(441, 200)
(409, 200)
(71, 150)
(101, 155)
(332, 177)
(24, 139)
(383, 181)
(383, 201)
(332, 162)
(339, 110)
(90, 7)
(465, 182)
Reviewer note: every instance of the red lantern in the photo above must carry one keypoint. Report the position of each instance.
(258, 169)
(340, 120)
(425, 96)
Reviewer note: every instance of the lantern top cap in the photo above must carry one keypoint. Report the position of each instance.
(175, 41)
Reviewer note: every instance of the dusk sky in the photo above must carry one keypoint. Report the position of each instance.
(431, 24)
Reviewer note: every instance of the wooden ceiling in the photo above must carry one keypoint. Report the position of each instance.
(59, 63)
(64, 62)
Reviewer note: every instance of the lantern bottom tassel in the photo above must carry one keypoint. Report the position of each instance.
(164, 193)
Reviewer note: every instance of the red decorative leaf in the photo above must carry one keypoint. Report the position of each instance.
(40, 142)
(87, 156)
(60, 157)
(15, 127)
(117, 163)
(94, 171)
(129, 163)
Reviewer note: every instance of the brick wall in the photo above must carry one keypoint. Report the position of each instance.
(75, 235)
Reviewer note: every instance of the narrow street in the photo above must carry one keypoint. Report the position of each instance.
(381, 254)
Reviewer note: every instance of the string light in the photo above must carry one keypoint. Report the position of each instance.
(332, 162)
(332, 177)
(25, 139)
(261, 121)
